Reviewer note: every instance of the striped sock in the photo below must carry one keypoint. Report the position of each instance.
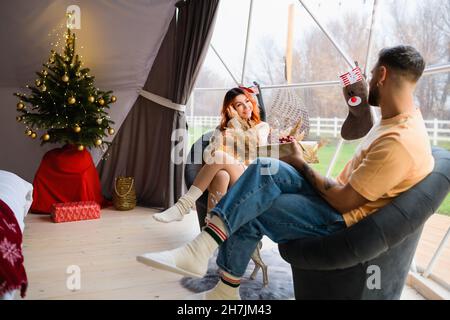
(217, 230)
(229, 279)
(226, 289)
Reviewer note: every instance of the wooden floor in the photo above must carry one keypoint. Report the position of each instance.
(106, 250)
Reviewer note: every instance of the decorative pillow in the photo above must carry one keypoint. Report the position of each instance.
(17, 194)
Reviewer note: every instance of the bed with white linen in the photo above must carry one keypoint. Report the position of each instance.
(18, 195)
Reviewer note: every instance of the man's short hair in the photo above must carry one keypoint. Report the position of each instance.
(406, 60)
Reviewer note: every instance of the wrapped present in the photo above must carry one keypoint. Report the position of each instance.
(75, 211)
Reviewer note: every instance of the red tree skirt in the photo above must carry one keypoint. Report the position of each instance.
(65, 175)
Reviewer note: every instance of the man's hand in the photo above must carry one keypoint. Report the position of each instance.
(295, 157)
(342, 197)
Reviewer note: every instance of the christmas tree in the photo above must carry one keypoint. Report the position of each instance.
(65, 103)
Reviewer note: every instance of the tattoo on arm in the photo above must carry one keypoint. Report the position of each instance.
(310, 175)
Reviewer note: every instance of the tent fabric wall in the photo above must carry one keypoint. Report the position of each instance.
(144, 138)
(121, 40)
(159, 182)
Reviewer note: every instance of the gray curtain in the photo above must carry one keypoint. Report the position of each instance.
(142, 147)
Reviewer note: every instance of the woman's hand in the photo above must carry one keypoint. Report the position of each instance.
(286, 139)
(232, 113)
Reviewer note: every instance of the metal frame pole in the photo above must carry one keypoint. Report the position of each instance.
(224, 64)
(244, 63)
(437, 254)
(432, 70)
(341, 51)
(369, 51)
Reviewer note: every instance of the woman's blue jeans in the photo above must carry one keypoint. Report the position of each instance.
(271, 198)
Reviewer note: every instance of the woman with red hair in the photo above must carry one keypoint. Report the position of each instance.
(231, 149)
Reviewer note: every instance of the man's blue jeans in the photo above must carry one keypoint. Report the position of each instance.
(271, 198)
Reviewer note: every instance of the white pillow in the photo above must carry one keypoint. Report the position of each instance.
(17, 194)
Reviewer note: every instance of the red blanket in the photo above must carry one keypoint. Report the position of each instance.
(12, 271)
(65, 175)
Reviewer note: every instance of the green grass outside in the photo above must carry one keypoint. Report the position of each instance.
(326, 154)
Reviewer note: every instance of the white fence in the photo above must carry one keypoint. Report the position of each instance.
(438, 130)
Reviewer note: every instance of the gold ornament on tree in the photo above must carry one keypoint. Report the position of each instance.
(77, 128)
(20, 106)
(65, 78)
(19, 118)
(113, 99)
(99, 121)
(80, 147)
(71, 100)
(38, 82)
(98, 142)
(91, 99)
(28, 132)
(33, 135)
(46, 137)
(111, 131)
(44, 88)
(101, 101)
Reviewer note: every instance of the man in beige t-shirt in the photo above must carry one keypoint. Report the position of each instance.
(394, 156)
(288, 200)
